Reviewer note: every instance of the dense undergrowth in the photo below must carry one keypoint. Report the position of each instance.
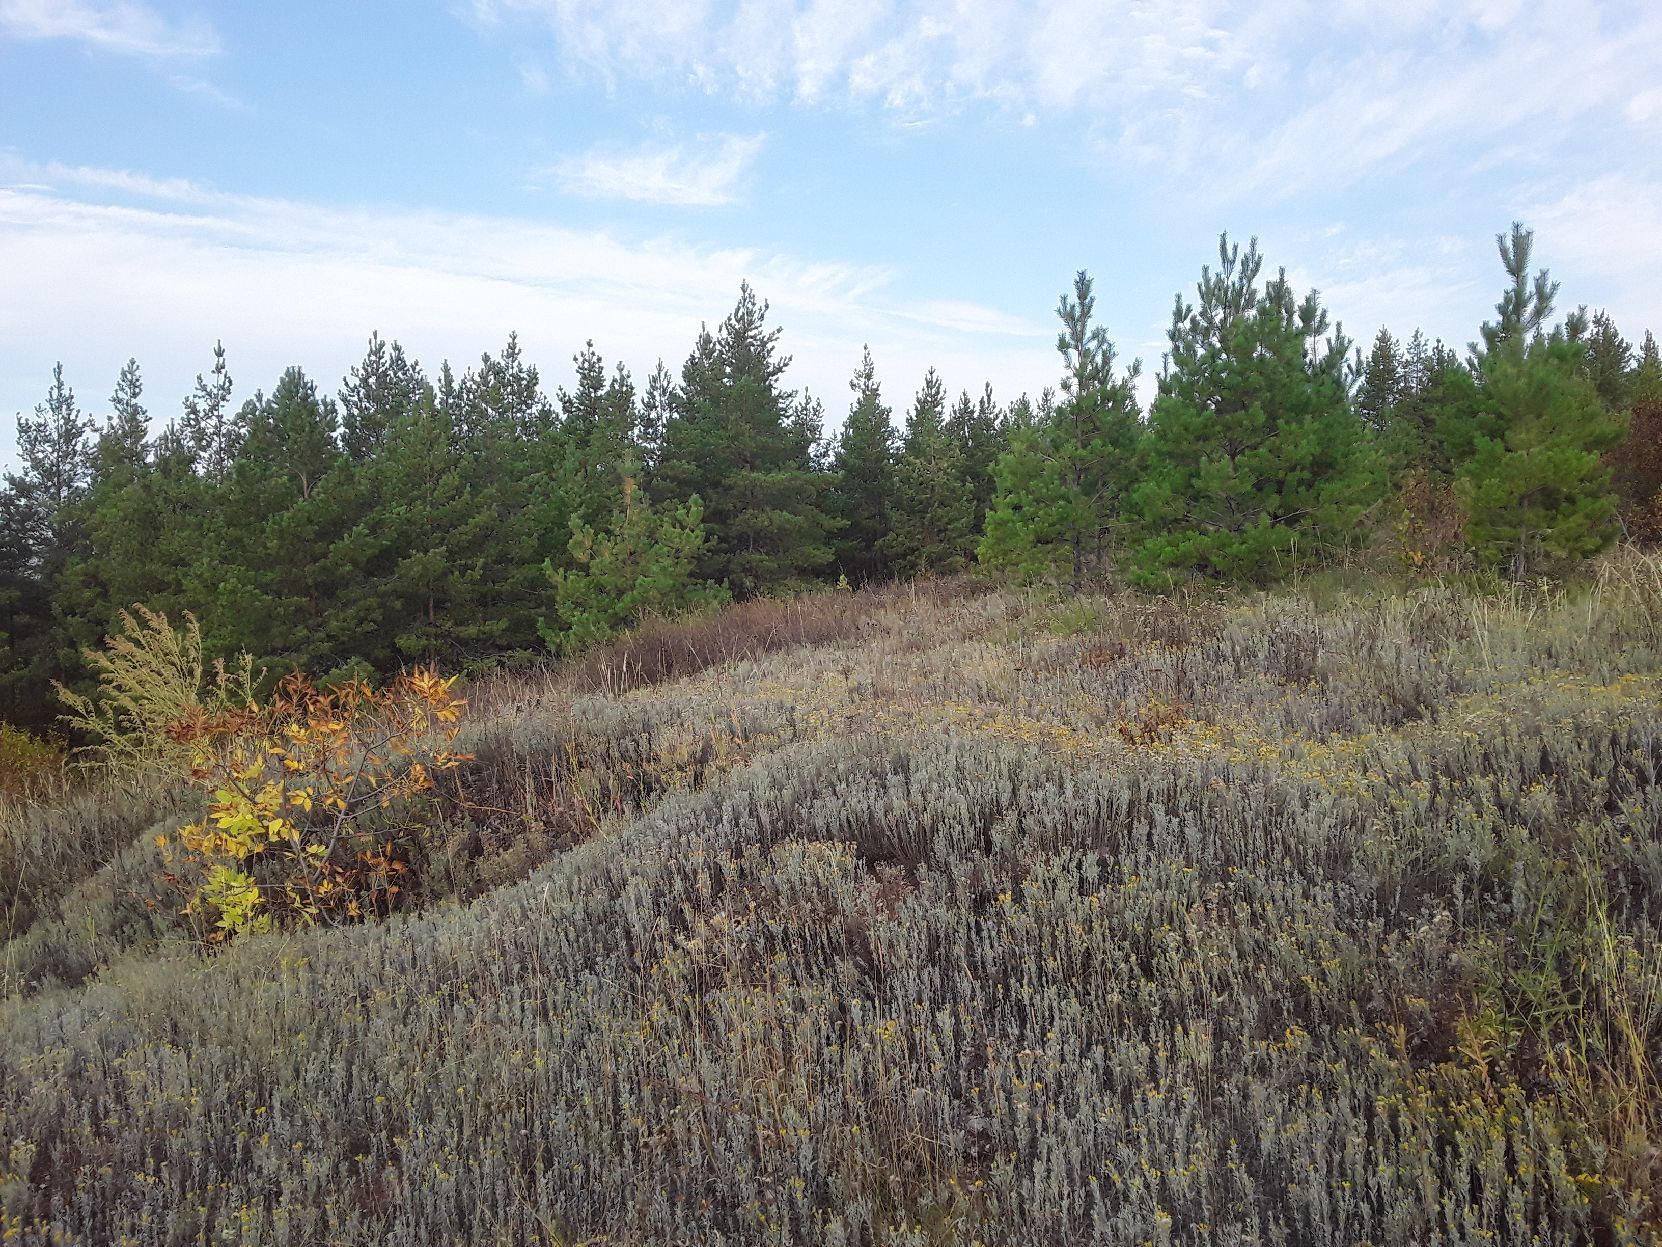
(932, 916)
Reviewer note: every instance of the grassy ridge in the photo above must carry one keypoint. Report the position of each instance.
(1319, 918)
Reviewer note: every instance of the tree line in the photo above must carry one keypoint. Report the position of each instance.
(463, 519)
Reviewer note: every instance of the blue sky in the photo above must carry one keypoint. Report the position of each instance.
(922, 175)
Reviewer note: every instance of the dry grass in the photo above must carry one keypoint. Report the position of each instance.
(925, 917)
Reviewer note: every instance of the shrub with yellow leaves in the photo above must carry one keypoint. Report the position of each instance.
(316, 801)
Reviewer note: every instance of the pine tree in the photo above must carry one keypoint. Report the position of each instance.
(1609, 363)
(1254, 452)
(114, 566)
(1064, 485)
(1384, 383)
(126, 434)
(641, 564)
(378, 393)
(57, 453)
(1536, 484)
(1437, 424)
(1637, 462)
(502, 399)
(279, 575)
(977, 428)
(209, 425)
(1025, 532)
(24, 606)
(1525, 305)
(1100, 430)
(514, 462)
(596, 435)
(806, 426)
(731, 439)
(439, 541)
(862, 498)
(40, 505)
(656, 405)
(934, 507)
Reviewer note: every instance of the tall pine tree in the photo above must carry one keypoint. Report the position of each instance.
(863, 496)
(1536, 485)
(1255, 455)
(40, 505)
(1064, 485)
(209, 425)
(736, 440)
(933, 526)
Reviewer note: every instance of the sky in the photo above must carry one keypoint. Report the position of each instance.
(923, 176)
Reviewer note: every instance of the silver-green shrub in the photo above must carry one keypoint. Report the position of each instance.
(1256, 925)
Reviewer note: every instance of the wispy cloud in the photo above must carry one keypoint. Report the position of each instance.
(1275, 94)
(704, 172)
(125, 27)
(1606, 227)
(283, 281)
(54, 175)
(1481, 91)
(202, 88)
(910, 56)
(533, 77)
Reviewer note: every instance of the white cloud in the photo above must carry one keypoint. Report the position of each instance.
(103, 264)
(1269, 97)
(903, 54)
(1644, 106)
(210, 91)
(533, 77)
(122, 26)
(703, 173)
(1489, 93)
(120, 181)
(1601, 236)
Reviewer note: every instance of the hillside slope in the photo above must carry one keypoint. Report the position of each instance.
(995, 921)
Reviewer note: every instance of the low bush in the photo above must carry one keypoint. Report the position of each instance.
(29, 766)
(672, 648)
(316, 806)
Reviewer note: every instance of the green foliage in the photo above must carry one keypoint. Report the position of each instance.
(643, 565)
(1609, 365)
(1536, 484)
(1063, 484)
(597, 426)
(1255, 457)
(1637, 462)
(1541, 487)
(978, 427)
(933, 513)
(384, 390)
(731, 440)
(28, 764)
(209, 430)
(428, 584)
(1025, 534)
(864, 493)
(40, 531)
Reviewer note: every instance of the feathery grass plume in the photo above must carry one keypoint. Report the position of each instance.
(150, 680)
